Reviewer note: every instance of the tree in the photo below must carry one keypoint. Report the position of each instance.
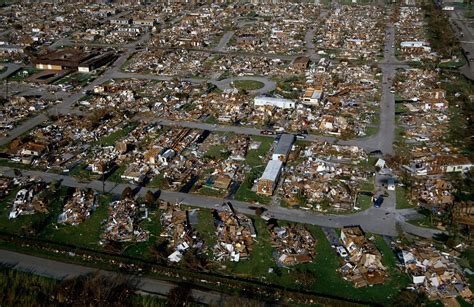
(95, 289)
(150, 198)
(180, 295)
(127, 193)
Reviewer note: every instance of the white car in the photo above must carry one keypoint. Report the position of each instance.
(342, 251)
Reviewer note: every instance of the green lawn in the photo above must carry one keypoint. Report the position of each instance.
(368, 185)
(364, 202)
(212, 192)
(426, 221)
(23, 224)
(81, 172)
(402, 200)
(142, 249)
(75, 79)
(115, 176)
(206, 229)
(212, 120)
(86, 234)
(23, 74)
(244, 193)
(217, 152)
(323, 269)
(112, 138)
(248, 85)
(254, 156)
(157, 182)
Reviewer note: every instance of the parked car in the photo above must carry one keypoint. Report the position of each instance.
(267, 132)
(300, 136)
(378, 201)
(341, 251)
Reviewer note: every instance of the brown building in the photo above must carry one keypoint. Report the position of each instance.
(301, 63)
(72, 58)
(248, 40)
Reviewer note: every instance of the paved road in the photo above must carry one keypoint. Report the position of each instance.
(11, 69)
(268, 85)
(224, 41)
(223, 84)
(460, 24)
(381, 221)
(61, 270)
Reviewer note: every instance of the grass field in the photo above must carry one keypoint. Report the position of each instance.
(248, 85)
(402, 200)
(112, 138)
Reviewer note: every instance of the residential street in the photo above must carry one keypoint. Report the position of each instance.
(377, 220)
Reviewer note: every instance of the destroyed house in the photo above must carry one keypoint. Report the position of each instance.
(248, 40)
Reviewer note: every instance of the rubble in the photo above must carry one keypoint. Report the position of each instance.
(433, 272)
(122, 223)
(294, 245)
(363, 266)
(79, 207)
(178, 230)
(29, 200)
(235, 234)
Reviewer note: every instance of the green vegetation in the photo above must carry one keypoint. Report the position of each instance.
(112, 138)
(23, 74)
(364, 202)
(248, 85)
(212, 192)
(212, 120)
(453, 64)
(26, 289)
(157, 182)
(439, 31)
(81, 172)
(75, 79)
(321, 275)
(86, 234)
(206, 228)
(115, 176)
(217, 152)
(255, 156)
(255, 159)
(402, 200)
(459, 90)
(35, 223)
(245, 193)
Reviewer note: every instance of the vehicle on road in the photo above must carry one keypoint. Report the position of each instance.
(300, 136)
(378, 201)
(267, 132)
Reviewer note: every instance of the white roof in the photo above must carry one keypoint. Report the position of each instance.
(272, 170)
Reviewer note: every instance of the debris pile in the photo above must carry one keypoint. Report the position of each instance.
(434, 272)
(235, 234)
(294, 244)
(179, 231)
(363, 267)
(79, 207)
(122, 223)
